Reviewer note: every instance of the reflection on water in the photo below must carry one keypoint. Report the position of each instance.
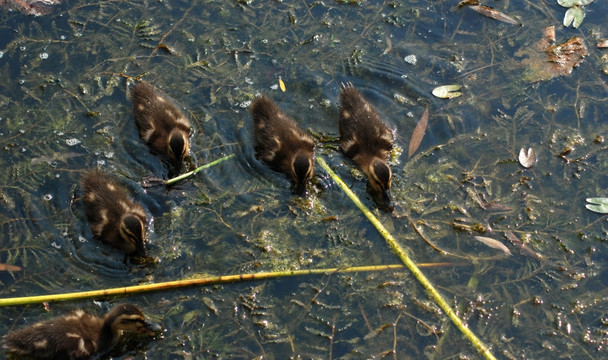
(64, 109)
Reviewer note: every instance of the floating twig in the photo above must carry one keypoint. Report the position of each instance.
(151, 181)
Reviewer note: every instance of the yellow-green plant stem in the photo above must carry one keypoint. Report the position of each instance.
(193, 280)
(190, 173)
(435, 295)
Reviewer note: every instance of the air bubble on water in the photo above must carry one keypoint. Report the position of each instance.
(44, 56)
(274, 87)
(47, 197)
(245, 104)
(55, 245)
(109, 154)
(72, 142)
(101, 162)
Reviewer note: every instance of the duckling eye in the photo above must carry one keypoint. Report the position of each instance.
(131, 228)
(382, 175)
(178, 146)
(302, 167)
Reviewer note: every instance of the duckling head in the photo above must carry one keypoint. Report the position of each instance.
(132, 232)
(380, 178)
(177, 148)
(128, 318)
(301, 170)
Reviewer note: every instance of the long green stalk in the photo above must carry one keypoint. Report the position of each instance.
(435, 295)
(194, 280)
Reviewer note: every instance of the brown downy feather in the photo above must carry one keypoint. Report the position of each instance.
(366, 139)
(77, 335)
(114, 218)
(161, 125)
(281, 143)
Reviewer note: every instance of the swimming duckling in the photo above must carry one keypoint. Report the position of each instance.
(78, 335)
(281, 143)
(114, 218)
(161, 125)
(366, 139)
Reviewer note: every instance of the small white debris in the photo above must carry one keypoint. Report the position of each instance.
(411, 59)
(44, 56)
(72, 142)
(47, 197)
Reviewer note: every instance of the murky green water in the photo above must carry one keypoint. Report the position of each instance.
(64, 109)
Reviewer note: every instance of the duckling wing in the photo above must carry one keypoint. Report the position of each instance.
(278, 138)
(361, 130)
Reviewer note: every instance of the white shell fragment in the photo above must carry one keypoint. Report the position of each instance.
(447, 91)
(528, 159)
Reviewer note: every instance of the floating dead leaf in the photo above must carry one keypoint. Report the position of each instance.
(602, 44)
(282, 85)
(447, 91)
(527, 159)
(493, 243)
(549, 34)
(598, 205)
(418, 133)
(167, 48)
(546, 60)
(6, 267)
(523, 248)
(54, 157)
(494, 14)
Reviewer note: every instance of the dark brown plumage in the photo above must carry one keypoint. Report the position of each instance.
(161, 125)
(366, 139)
(78, 335)
(114, 218)
(281, 143)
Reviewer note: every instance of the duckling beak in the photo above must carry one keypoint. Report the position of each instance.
(140, 252)
(386, 200)
(300, 188)
(151, 328)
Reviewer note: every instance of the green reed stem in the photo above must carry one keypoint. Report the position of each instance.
(190, 173)
(194, 280)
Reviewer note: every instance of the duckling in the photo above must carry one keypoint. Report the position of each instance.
(114, 218)
(366, 139)
(78, 335)
(281, 143)
(161, 125)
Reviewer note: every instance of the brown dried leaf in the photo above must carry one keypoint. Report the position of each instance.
(602, 44)
(6, 267)
(418, 133)
(546, 60)
(494, 14)
(495, 244)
